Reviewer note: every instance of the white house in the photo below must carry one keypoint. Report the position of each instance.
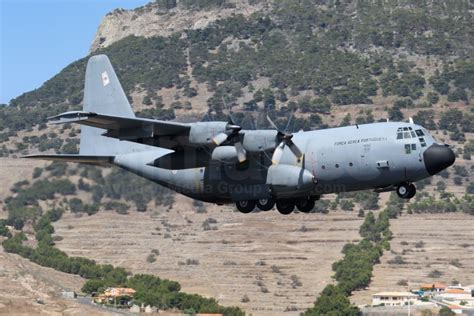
(393, 298)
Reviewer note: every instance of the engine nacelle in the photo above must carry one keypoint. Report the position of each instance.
(227, 154)
(288, 181)
(202, 133)
(260, 140)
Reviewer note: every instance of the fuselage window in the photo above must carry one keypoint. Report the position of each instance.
(323, 167)
(407, 149)
(406, 135)
(399, 135)
(351, 164)
(337, 165)
(413, 134)
(413, 147)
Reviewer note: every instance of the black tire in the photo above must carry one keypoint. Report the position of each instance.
(403, 191)
(305, 205)
(412, 190)
(245, 206)
(265, 204)
(285, 207)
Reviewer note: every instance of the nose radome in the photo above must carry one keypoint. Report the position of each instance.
(437, 158)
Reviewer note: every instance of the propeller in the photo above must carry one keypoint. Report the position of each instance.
(285, 139)
(232, 131)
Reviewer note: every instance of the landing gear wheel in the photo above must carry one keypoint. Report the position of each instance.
(265, 204)
(305, 205)
(285, 207)
(404, 190)
(411, 190)
(245, 206)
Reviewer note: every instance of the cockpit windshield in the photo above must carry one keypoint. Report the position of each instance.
(405, 132)
(409, 133)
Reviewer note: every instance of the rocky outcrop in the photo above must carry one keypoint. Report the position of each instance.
(154, 19)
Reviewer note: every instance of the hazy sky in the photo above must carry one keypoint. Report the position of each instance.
(38, 38)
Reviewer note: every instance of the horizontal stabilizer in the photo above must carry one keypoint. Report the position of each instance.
(95, 160)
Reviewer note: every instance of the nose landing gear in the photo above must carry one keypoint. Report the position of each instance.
(406, 190)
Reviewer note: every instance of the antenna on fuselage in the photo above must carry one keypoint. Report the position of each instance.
(410, 120)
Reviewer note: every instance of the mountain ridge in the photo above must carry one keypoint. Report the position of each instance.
(163, 18)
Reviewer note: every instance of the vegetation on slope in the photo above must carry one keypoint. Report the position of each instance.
(342, 54)
(354, 271)
(151, 290)
(105, 192)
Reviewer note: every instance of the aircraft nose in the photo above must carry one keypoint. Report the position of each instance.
(437, 158)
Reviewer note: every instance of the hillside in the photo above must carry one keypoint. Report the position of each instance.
(333, 63)
(309, 56)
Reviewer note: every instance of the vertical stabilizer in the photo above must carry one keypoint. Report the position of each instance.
(103, 94)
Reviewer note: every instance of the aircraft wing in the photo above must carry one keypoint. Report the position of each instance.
(123, 128)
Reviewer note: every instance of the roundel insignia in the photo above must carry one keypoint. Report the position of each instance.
(105, 78)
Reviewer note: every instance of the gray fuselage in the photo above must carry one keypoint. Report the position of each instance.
(368, 156)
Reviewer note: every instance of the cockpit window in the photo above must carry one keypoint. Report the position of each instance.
(419, 132)
(422, 142)
(405, 132)
(407, 149)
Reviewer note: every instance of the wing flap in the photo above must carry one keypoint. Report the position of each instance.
(95, 160)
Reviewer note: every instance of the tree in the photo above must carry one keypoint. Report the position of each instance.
(394, 114)
(332, 301)
(346, 121)
(445, 311)
(432, 97)
(166, 4)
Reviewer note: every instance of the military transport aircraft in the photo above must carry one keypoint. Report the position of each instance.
(219, 162)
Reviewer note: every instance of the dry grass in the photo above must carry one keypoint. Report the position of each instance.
(244, 240)
(447, 247)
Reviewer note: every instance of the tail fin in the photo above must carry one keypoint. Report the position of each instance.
(103, 94)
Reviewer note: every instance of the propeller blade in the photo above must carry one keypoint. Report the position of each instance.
(241, 153)
(294, 149)
(205, 117)
(220, 138)
(289, 121)
(272, 124)
(277, 153)
(234, 128)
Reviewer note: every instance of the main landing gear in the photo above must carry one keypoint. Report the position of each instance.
(265, 204)
(245, 206)
(284, 206)
(406, 190)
